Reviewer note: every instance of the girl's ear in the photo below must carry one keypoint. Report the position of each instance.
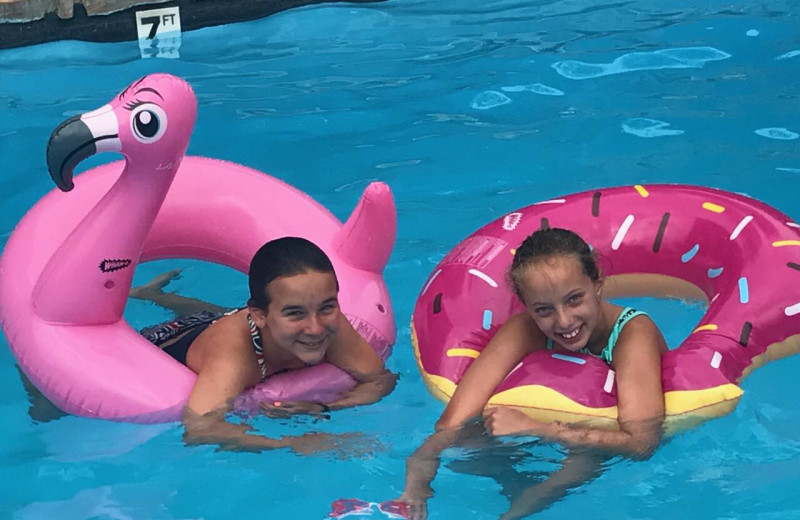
(259, 316)
(598, 288)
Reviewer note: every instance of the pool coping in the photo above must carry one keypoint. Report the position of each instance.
(32, 22)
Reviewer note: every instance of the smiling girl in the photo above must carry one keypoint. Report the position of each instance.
(555, 275)
(292, 320)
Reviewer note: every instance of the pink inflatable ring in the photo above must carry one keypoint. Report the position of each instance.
(739, 254)
(67, 268)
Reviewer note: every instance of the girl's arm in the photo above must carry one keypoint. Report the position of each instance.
(212, 429)
(517, 338)
(513, 341)
(637, 362)
(576, 469)
(224, 372)
(351, 353)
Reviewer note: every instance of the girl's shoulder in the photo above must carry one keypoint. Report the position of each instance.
(612, 310)
(230, 332)
(639, 332)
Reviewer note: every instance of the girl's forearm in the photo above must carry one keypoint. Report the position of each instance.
(423, 464)
(636, 440)
(368, 392)
(215, 430)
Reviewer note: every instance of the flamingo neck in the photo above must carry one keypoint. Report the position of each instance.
(87, 280)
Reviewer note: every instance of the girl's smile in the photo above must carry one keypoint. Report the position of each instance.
(563, 301)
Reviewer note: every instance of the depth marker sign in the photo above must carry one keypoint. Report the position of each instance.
(159, 32)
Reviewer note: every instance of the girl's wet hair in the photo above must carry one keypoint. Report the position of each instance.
(286, 256)
(547, 243)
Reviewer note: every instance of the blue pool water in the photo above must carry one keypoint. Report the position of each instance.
(467, 110)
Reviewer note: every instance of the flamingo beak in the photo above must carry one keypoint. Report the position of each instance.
(74, 140)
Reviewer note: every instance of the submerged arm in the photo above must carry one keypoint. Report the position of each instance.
(223, 376)
(212, 428)
(576, 470)
(421, 469)
(636, 439)
(501, 354)
(220, 379)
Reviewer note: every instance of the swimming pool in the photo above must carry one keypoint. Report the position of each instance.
(467, 111)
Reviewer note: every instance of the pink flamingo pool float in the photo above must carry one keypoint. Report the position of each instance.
(67, 268)
(738, 254)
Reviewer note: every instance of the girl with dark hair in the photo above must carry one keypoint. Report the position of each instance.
(555, 275)
(292, 320)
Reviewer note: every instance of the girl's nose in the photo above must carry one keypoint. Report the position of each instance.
(314, 326)
(563, 319)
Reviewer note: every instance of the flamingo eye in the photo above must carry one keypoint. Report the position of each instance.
(148, 123)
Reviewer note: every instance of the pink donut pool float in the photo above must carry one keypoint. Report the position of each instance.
(67, 268)
(739, 255)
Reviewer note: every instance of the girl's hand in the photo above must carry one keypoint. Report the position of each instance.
(417, 505)
(282, 410)
(343, 446)
(503, 420)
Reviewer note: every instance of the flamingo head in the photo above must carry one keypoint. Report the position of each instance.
(150, 121)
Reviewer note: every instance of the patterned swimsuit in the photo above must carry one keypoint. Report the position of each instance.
(187, 328)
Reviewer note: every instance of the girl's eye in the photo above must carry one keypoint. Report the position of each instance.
(542, 311)
(576, 298)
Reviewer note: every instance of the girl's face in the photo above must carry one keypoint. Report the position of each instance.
(563, 301)
(303, 314)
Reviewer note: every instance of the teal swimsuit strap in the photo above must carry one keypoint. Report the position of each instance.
(627, 314)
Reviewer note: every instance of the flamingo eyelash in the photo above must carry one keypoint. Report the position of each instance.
(132, 85)
(133, 104)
